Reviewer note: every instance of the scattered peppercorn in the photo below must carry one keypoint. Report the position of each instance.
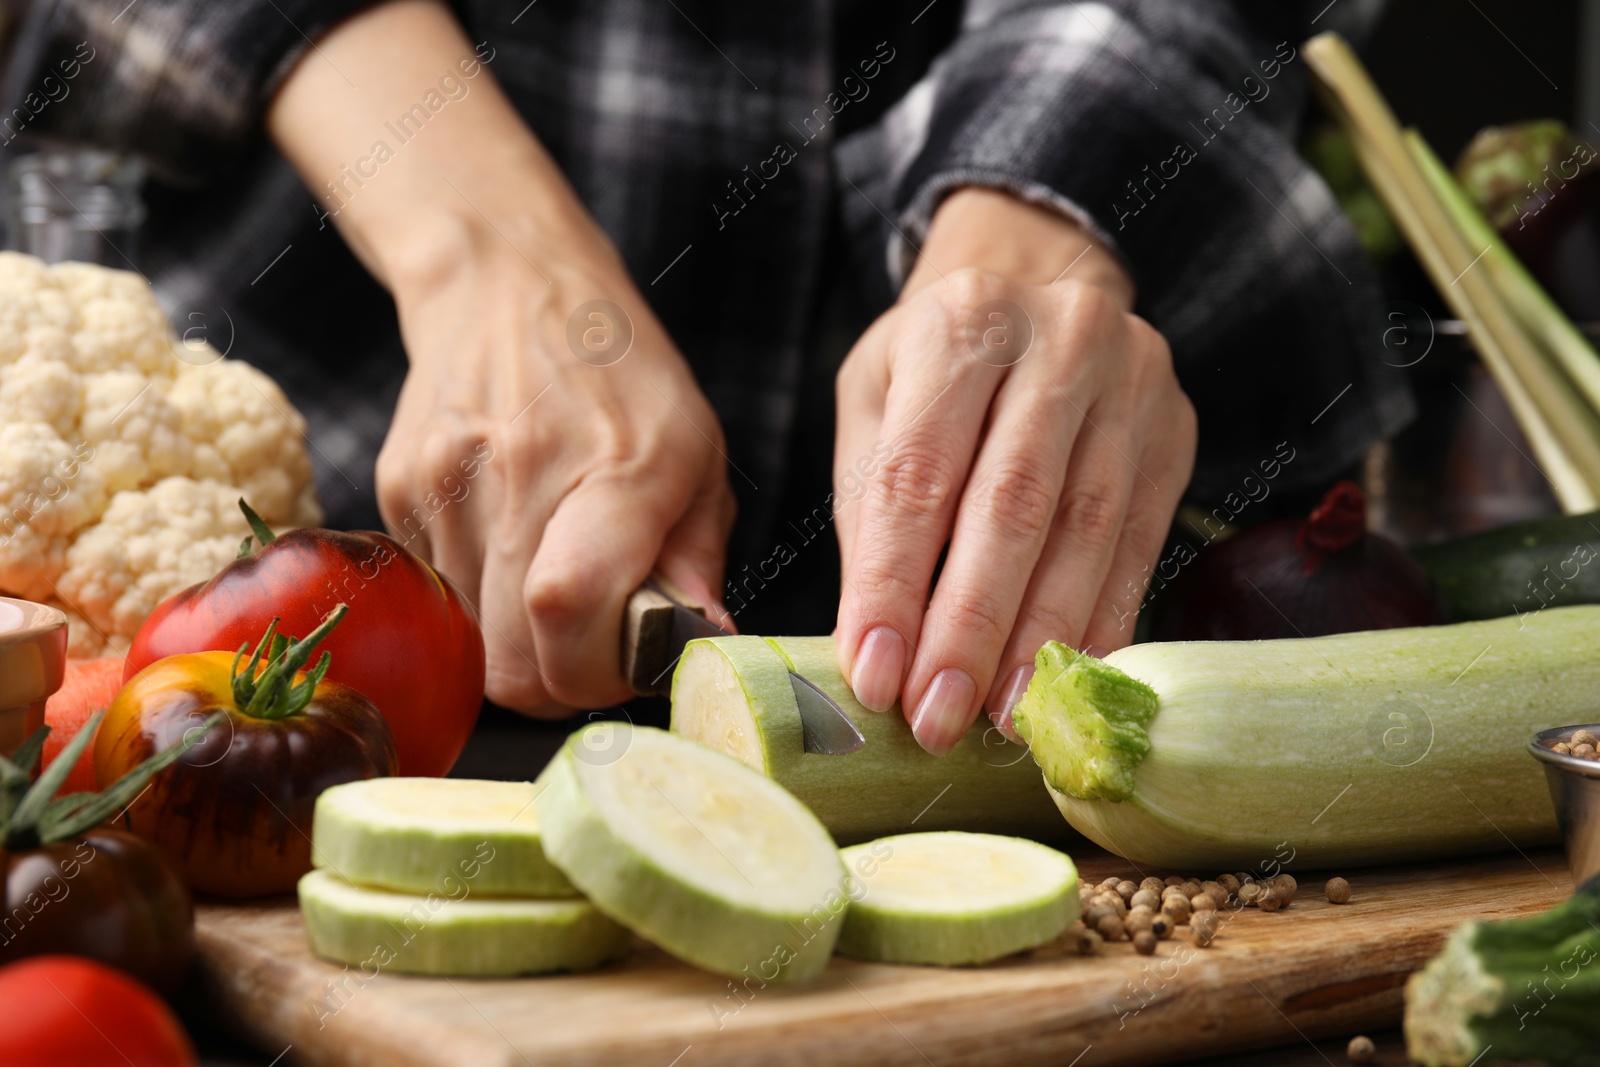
(1178, 908)
(1360, 1049)
(1154, 885)
(1089, 943)
(1147, 898)
(1203, 902)
(1144, 943)
(1138, 922)
(1110, 927)
(1126, 890)
(1338, 891)
(1215, 891)
(1203, 928)
(1287, 882)
(1271, 899)
(1250, 893)
(1162, 925)
(1172, 879)
(1229, 884)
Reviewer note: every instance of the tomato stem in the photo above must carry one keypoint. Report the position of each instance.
(273, 694)
(259, 531)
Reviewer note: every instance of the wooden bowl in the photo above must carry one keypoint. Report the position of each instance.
(33, 661)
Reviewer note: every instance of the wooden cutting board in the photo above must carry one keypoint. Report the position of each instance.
(1312, 970)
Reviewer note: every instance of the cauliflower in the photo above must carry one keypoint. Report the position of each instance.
(147, 546)
(121, 460)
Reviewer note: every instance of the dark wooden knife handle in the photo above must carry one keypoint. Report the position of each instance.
(647, 634)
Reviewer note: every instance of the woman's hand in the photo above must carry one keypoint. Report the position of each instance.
(550, 447)
(1032, 425)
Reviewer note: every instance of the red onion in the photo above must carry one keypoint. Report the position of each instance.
(1291, 578)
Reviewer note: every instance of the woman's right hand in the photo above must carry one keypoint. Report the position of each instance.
(550, 447)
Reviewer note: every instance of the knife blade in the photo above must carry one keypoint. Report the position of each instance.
(660, 619)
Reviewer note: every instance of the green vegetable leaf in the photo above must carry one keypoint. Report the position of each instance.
(26, 817)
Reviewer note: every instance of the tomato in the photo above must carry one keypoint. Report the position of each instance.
(61, 1011)
(107, 895)
(411, 647)
(89, 686)
(233, 813)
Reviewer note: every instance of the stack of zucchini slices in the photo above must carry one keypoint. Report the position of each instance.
(636, 830)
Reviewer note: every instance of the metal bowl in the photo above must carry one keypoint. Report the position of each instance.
(1575, 789)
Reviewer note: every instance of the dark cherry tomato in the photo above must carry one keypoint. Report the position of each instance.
(233, 814)
(411, 647)
(107, 895)
(63, 1011)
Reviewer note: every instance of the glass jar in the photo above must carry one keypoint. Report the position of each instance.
(66, 202)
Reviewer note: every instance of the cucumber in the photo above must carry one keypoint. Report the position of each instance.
(456, 935)
(1519, 568)
(955, 898)
(733, 694)
(719, 866)
(1382, 746)
(417, 835)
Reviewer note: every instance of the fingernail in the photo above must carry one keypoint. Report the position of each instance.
(1010, 696)
(941, 718)
(1096, 651)
(879, 663)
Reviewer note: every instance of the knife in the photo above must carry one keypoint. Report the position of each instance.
(660, 619)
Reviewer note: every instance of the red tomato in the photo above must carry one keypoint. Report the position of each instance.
(89, 686)
(409, 645)
(63, 1011)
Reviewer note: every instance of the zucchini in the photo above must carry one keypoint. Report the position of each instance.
(733, 694)
(1370, 747)
(1527, 988)
(695, 851)
(955, 898)
(453, 933)
(413, 835)
(1517, 569)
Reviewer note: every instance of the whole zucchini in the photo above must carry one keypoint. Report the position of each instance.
(1546, 563)
(1526, 988)
(1370, 747)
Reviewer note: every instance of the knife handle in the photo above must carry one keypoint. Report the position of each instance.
(647, 633)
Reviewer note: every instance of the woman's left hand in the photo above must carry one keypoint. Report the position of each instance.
(1012, 408)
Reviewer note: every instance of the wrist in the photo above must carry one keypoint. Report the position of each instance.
(995, 231)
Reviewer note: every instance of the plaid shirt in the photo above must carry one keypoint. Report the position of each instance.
(768, 171)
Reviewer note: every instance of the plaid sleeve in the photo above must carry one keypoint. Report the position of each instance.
(182, 83)
(1167, 129)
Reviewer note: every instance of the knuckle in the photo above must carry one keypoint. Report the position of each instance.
(916, 480)
(1093, 514)
(976, 616)
(1018, 500)
(556, 596)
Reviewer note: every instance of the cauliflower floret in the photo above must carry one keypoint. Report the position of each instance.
(37, 388)
(99, 397)
(137, 433)
(49, 490)
(246, 432)
(149, 545)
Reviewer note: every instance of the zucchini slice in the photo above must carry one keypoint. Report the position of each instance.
(953, 898)
(462, 936)
(418, 835)
(690, 848)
